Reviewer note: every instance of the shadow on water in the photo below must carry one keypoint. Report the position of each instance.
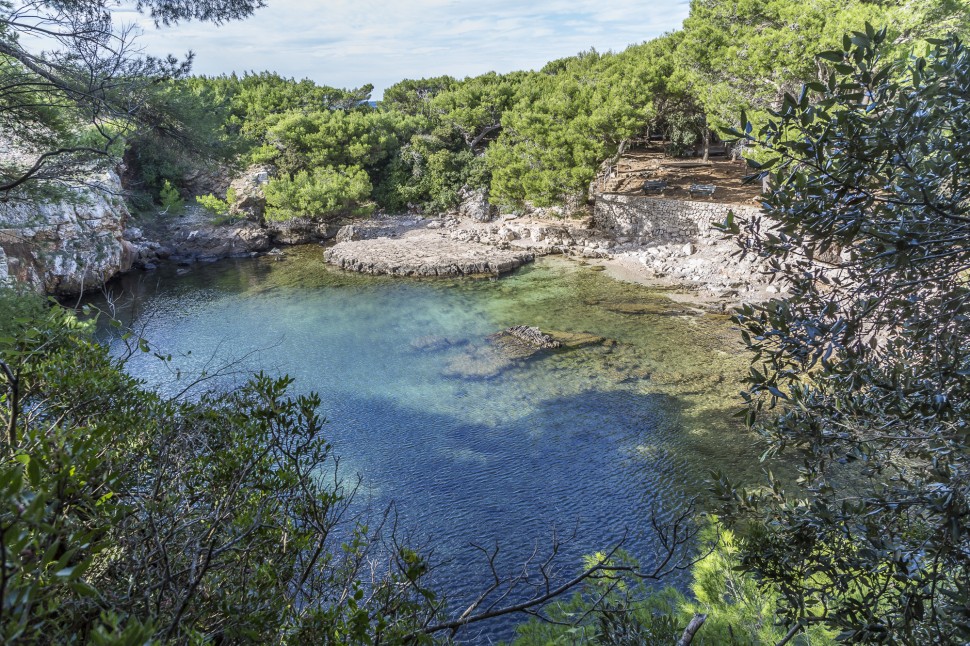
(591, 469)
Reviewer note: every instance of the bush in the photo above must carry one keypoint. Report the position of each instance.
(617, 610)
(862, 375)
(219, 209)
(172, 202)
(323, 193)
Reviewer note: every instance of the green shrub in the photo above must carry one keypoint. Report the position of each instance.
(323, 193)
(624, 610)
(219, 209)
(172, 201)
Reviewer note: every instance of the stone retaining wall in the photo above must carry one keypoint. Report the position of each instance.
(650, 220)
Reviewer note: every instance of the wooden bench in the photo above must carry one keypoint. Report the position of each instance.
(654, 186)
(701, 189)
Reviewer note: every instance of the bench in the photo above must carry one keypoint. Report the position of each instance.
(701, 189)
(654, 186)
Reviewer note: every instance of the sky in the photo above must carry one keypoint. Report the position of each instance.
(348, 43)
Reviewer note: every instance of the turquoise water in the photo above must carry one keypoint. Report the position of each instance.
(471, 443)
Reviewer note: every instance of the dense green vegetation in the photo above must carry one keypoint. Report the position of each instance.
(864, 372)
(625, 610)
(532, 137)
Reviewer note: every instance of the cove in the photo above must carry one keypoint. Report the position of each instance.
(473, 445)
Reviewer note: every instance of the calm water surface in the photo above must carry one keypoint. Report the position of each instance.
(472, 445)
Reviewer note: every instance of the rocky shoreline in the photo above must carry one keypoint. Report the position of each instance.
(659, 243)
(66, 247)
(705, 271)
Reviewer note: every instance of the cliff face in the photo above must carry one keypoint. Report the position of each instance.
(66, 247)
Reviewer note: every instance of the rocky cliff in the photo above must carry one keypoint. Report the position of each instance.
(68, 246)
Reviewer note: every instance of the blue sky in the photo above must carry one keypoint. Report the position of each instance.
(347, 43)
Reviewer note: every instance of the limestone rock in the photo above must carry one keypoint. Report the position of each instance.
(576, 340)
(424, 254)
(206, 180)
(250, 200)
(380, 228)
(69, 246)
(347, 233)
(507, 234)
(475, 205)
(301, 231)
(5, 278)
(531, 336)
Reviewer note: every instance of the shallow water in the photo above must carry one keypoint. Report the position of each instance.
(471, 444)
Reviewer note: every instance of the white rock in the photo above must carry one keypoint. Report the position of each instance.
(506, 234)
(68, 246)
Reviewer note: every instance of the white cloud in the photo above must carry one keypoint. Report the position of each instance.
(348, 43)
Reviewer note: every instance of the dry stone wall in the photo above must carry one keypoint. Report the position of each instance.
(649, 220)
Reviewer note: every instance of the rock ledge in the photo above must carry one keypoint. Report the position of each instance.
(424, 254)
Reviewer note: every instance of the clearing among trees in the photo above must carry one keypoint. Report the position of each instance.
(650, 163)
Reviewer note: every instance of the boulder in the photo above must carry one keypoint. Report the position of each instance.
(530, 336)
(507, 234)
(475, 205)
(301, 231)
(250, 200)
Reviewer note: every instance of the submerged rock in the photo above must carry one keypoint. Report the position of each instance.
(531, 336)
(576, 340)
(654, 308)
(477, 362)
(435, 343)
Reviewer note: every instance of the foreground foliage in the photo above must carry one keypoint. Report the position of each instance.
(623, 611)
(869, 359)
(127, 518)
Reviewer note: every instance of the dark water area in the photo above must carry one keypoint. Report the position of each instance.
(472, 445)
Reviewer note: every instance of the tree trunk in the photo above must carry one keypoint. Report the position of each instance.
(707, 141)
(692, 628)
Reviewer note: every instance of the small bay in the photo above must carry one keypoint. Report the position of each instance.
(471, 443)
